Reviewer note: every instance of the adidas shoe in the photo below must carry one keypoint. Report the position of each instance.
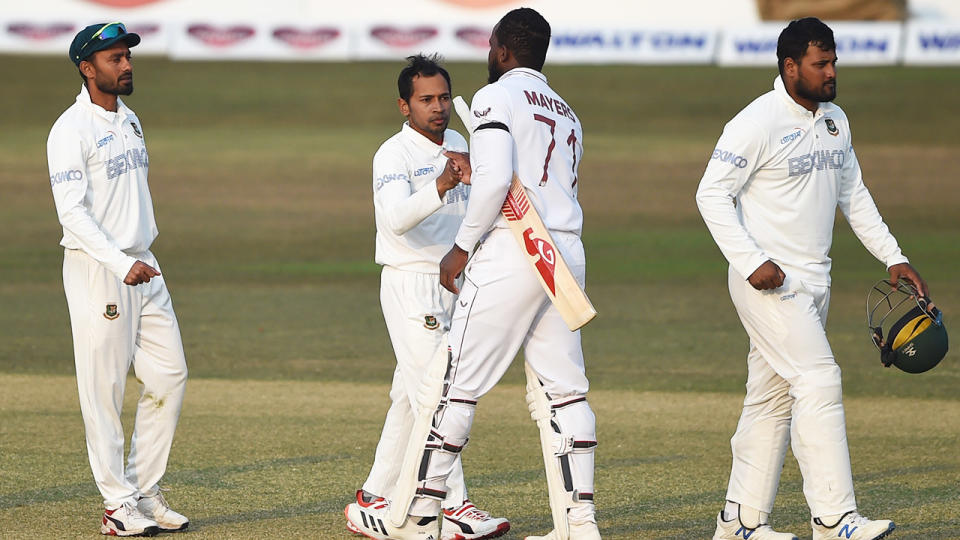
(467, 522)
(376, 501)
(734, 530)
(853, 526)
(127, 521)
(578, 531)
(155, 507)
(370, 519)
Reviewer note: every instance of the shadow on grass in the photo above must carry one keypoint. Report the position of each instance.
(208, 477)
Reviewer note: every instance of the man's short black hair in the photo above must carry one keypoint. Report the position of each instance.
(422, 66)
(801, 33)
(527, 35)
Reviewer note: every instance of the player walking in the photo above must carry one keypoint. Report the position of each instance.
(120, 310)
(769, 196)
(420, 195)
(520, 125)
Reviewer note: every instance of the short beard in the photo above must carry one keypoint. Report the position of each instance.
(816, 94)
(114, 87)
(494, 73)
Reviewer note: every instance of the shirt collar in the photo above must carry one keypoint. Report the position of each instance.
(83, 98)
(422, 142)
(522, 71)
(781, 90)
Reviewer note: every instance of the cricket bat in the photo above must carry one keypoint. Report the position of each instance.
(535, 240)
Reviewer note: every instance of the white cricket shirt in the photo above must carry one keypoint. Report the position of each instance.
(774, 182)
(543, 143)
(98, 174)
(415, 227)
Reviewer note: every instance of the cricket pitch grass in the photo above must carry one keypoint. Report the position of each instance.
(260, 175)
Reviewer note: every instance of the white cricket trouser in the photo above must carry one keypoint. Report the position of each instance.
(115, 325)
(501, 308)
(793, 394)
(408, 300)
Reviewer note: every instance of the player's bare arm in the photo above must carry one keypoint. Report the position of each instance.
(451, 266)
(767, 276)
(461, 163)
(140, 272)
(909, 273)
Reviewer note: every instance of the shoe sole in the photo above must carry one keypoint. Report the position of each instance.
(149, 531)
(500, 531)
(178, 529)
(887, 532)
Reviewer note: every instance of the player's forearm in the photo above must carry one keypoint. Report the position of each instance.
(82, 228)
(736, 244)
(492, 163)
(405, 213)
(865, 220)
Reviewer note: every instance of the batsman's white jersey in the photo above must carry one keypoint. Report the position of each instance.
(770, 192)
(98, 174)
(521, 125)
(415, 228)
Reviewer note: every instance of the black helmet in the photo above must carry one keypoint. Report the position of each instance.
(916, 339)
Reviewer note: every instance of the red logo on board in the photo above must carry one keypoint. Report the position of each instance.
(306, 39)
(217, 36)
(403, 37)
(474, 36)
(40, 32)
(546, 263)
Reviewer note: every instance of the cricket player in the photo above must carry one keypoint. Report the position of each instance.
(421, 180)
(120, 310)
(769, 197)
(522, 125)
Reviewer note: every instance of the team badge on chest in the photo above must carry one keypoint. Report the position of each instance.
(430, 322)
(831, 126)
(111, 312)
(136, 130)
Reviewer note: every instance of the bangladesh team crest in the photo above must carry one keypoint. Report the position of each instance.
(831, 126)
(430, 322)
(111, 312)
(136, 130)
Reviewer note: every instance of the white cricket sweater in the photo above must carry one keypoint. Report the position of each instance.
(774, 181)
(98, 174)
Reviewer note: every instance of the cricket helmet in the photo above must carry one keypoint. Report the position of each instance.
(916, 337)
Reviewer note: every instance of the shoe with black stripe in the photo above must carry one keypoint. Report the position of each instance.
(370, 518)
(127, 521)
(467, 522)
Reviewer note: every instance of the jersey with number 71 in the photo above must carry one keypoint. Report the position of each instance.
(548, 146)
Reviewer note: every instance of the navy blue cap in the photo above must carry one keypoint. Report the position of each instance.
(98, 37)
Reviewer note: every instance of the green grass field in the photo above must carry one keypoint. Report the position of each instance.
(260, 175)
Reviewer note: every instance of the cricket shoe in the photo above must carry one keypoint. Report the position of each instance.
(155, 507)
(734, 530)
(578, 531)
(853, 526)
(371, 520)
(375, 502)
(467, 522)
(127, 521)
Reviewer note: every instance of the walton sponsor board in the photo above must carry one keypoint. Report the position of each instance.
(857, 44)
(932, 44)
(633, 45)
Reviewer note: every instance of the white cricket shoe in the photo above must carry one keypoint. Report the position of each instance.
(371, 520)
(578, 531)
(127, 521)
(853, 526)
(361, 504)
(734, 530)
(467, 522)
(155, 507)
